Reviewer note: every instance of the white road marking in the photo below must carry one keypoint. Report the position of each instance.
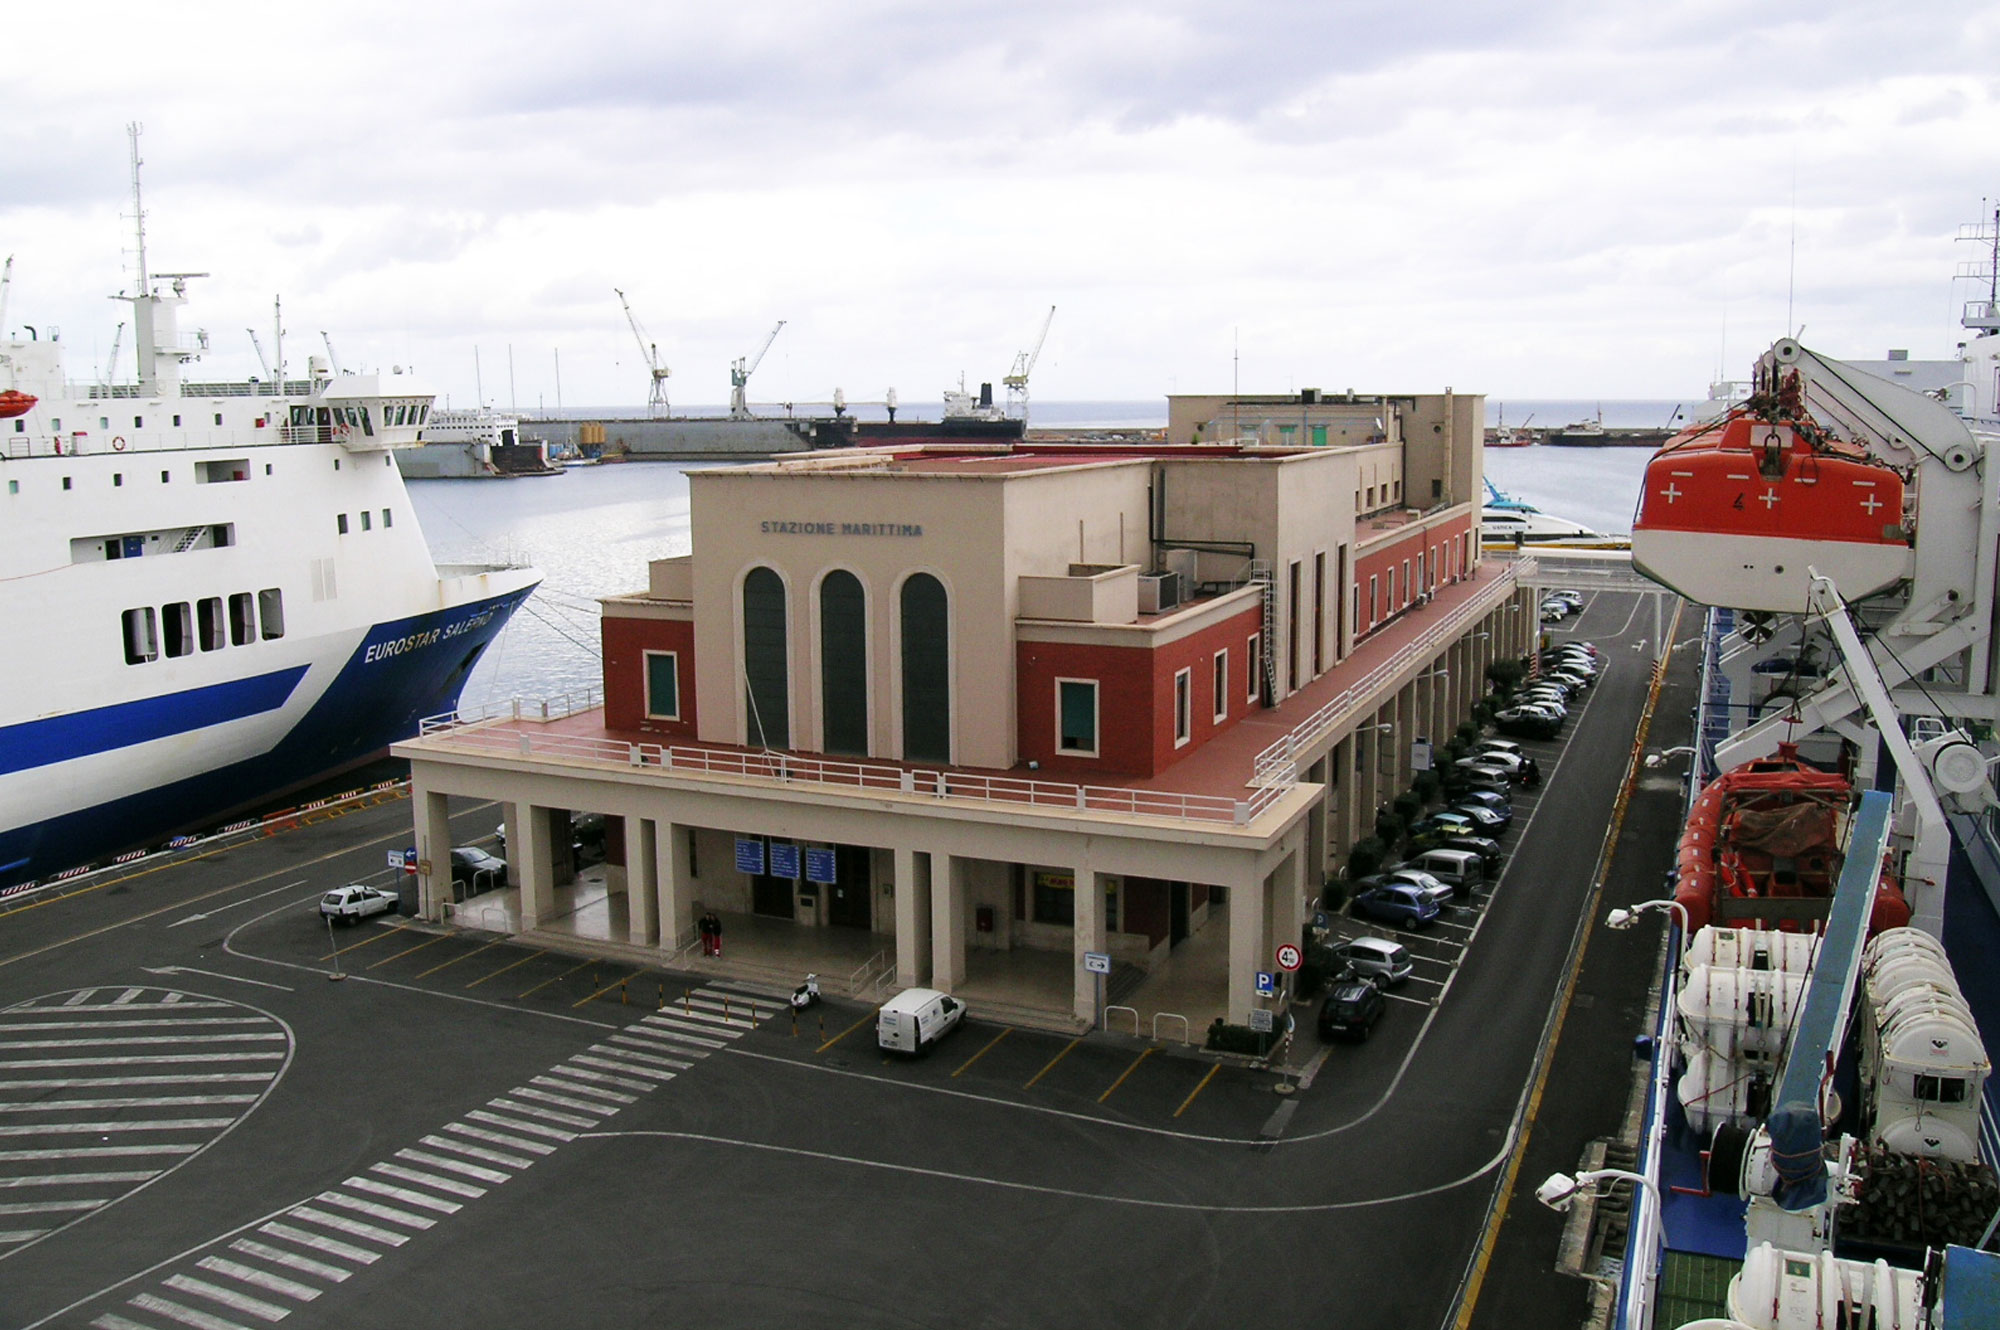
(206, 1124)
(376, 1210)
(230, 1298)
(78, 1179)
(290, 1260)
(173, 1311)
(574, 1088)
(500, 1138)
(331, 1246)
(476, 1152)
(256, 1278)
(627, 1068)
(422, 1200)
(545, 1114)
(431, 1180)
(582, 1106)
(158, 1101)
(456, 1166)
(571, 1069)
(353, 1227)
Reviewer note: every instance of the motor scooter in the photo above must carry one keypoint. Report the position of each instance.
(806, 994)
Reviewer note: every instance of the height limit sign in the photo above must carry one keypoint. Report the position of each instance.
(1289, 957)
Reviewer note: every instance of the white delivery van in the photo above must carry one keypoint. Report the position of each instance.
(916, 1018)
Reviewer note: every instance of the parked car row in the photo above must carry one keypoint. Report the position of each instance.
(1558, 605)
(1541, 705)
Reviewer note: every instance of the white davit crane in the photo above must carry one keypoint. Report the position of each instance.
(656, 396)
(1017, 381)
(332, 356)
(258, 347)
(740, 371)
(111, 361)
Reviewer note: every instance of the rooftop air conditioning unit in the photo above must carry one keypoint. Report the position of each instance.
(1159, 591)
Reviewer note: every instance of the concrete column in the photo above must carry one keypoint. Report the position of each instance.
(1406, 711)
(534, 864)
(948, 905)
(673, 884)
(1316, 852)
(1248, 923)
(1087, 924)
(913, 919)
(643, 896)
(1350, 794)
(433, 840)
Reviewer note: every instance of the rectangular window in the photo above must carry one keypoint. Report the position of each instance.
(65, 482)
(1253, 669)
(142, 642)
(117, 480)
(1408, 590)
(1374, 601)
(165, 476)
(1294, 627)
(663, 685)
(208, 620)
(1055, 898)
(340, 521)
(1940, 1089)
(1389, 605)
(1183, 708)
(1076, 717)
(242, 619)
(1319, 613)
(367, 520)
(387, 521)
(1221, 692)
(271, 611)
(178, 620)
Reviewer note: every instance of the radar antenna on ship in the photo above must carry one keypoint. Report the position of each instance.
(656, 393)
(1982, 316)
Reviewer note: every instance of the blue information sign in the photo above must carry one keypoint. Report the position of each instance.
(1267, 983)
(749, 856)
(819, 866)
(784, 859)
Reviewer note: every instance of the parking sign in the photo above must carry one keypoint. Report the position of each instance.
(1267, 983)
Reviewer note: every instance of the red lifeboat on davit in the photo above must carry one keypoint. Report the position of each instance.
(1733, 512)
(14, 403)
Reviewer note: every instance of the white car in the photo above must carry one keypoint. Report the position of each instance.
(1574, 598)
(354, 902)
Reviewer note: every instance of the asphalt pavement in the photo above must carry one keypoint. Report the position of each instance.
(467, 1131)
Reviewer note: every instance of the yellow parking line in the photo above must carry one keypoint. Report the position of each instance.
(564, 975)
(1128, 1071)
(389, 931)
(1052, 1062)
(982, 1052)
(466, 957)
(1198, 1089)
(503, 969)
(844, 1033)
(615, 983)
(441, 937)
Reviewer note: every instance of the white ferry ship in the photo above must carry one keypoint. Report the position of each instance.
(216, 592)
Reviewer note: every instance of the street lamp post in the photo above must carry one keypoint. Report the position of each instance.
(1561, 1189)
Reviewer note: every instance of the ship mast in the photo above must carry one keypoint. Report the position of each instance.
(142, 306)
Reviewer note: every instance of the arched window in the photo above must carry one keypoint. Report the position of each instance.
(765, 673)
(926, 670)
(843, 664)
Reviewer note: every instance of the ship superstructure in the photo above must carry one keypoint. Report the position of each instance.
(217, 591)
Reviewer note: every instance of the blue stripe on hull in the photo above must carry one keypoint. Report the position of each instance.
(401, 672)
(40, 743)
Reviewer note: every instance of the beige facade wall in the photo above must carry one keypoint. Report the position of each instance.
(979, 533)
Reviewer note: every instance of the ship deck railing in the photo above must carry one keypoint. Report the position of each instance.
(1279, 763)
(502, 735)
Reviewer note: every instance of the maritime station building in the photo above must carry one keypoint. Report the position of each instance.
(981, 716)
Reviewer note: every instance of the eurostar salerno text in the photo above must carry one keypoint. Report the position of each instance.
(397, 646)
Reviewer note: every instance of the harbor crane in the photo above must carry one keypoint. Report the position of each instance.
(740, 371)
(656, 396)
(1016, 381)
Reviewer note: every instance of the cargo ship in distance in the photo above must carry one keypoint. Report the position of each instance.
(229, 591)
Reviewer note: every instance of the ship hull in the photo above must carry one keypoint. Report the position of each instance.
(393, 676)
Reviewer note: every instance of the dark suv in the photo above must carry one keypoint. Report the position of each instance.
(1350, 1010)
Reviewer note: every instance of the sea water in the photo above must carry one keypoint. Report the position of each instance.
(593, 530)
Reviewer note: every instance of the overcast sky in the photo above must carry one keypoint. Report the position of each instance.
(1539, 199)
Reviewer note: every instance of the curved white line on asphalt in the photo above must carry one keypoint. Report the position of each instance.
(229, 945)
(291, 1048)
(1064, 1192)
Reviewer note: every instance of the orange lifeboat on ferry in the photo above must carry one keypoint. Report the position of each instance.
(1733, 513)
(1762, 847)
(13, 403)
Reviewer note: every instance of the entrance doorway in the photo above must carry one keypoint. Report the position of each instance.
(772, 896)
(847, 900)
(1177, 922)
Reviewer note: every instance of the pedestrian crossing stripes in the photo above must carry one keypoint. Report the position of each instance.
(261, 1277)
(124, 1074)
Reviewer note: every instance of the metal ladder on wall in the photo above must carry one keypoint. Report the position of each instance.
(1261, 573)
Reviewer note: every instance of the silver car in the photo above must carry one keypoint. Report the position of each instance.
(1384, 961)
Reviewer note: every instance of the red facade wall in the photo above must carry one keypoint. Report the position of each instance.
(1443, 546)
(1135, 697)
(625, 643)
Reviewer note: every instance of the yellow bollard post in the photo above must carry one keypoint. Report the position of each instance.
(822, 1027)
(663, 995)
(623, 1000)
(725, 1006)
(795, 1022)
(687, 1002)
